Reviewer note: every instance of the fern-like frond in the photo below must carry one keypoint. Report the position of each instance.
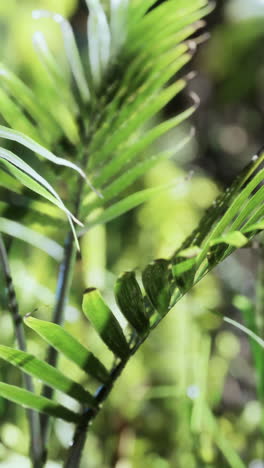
(100, 117)
(233, 219)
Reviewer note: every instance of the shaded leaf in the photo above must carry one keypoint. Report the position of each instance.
(156, 279)
(131, 302)
(66, 344)
(105, 323)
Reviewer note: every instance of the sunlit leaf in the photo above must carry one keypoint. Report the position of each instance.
(30, 400)
(14, 229)
(48, 374)
(66, 344)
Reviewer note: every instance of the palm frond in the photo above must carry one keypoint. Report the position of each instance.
(165, 282)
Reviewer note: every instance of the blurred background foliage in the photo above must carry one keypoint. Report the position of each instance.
(189, 397)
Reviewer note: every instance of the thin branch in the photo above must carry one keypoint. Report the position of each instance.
(260, 292)
(36, 449)
(62, 293)
(63, 287)
(79, 438)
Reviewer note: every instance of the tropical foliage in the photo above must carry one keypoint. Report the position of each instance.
(103, 125)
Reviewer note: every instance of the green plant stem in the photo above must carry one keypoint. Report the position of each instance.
(75, 451)
(63, 287)
(62, 292)
(36, 447)
(79, 438)
(260, 293)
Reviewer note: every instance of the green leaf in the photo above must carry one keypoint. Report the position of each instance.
(131, 302)
(124, 181)
(122, 206)
(246, 330)
(35, 182)
(48, 374)
(235, 238)
(26, 141)
(105, 323)
(13, 115)
(30, 400)
(123, 157)
(99, 41)
(66, 344)
(71, 49)
(131, 119)
(156, 279)
(182, 266)
(49, 246)
(231, 212)
(25, 96)
(255, 227)
(118, 25)
(190, 252)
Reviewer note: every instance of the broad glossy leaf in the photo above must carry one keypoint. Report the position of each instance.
(48, 374)
(66, 344)
(44, 405)
(105, 323)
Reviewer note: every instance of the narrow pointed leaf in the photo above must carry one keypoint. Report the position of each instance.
(44, 405)
(14, 116)
(25, 96)
(234, 238)
(54, 70)
(124, 181)
(26, 141)
(118, 24)
(105, 323)
(71, 49)
(99, 40)
(255, 227)
(157, 282)
(31, 179)
(131, 302)
(121, 207)
(67, 345)
(49, 246)
(46, 373)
